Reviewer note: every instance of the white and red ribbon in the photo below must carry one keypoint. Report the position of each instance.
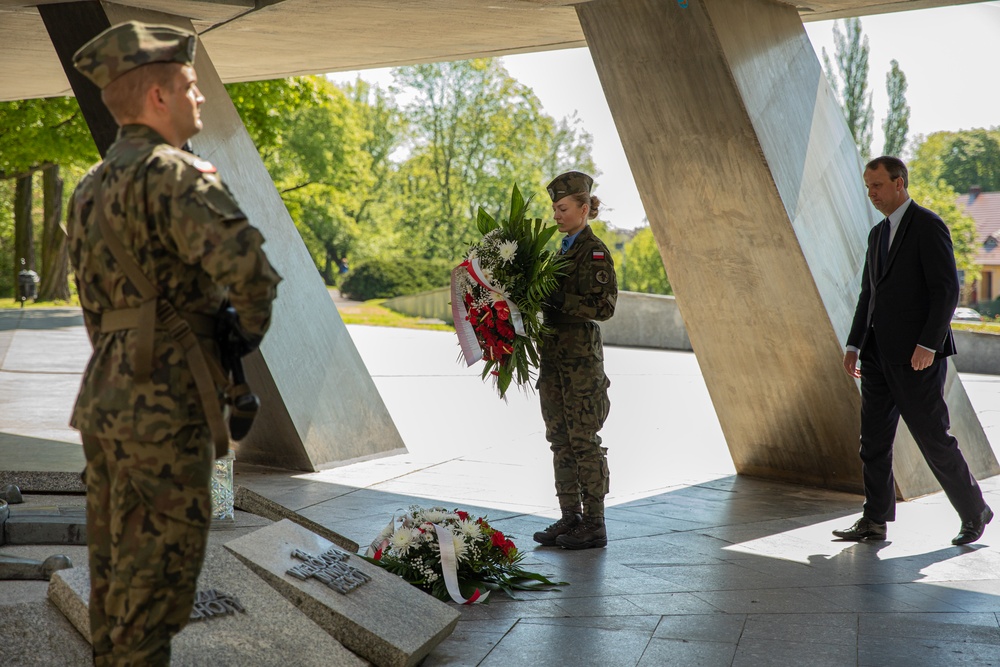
(460, 314)
(449, 568)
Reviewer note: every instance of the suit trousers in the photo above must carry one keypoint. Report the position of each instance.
(891, 391)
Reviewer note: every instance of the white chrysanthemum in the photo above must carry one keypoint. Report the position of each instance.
(460, 546)
(434, 515)
(470, 528)
(473, 253)
(401, 540)
(507, 250)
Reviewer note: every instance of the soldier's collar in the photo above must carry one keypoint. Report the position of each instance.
(137, 131)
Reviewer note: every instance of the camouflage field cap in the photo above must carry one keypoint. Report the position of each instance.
(569, 183)
(123, 47)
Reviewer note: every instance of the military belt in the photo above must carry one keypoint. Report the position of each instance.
(123, 319)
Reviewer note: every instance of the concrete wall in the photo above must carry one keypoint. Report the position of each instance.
(977, 352)
(641, 320)
(653, 320)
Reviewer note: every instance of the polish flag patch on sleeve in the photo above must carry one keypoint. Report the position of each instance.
(597, 255)
(204, 166)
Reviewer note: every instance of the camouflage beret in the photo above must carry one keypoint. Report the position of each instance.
(123, 47)
(569, 183)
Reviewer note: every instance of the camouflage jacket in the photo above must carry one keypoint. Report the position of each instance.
(187, 233)
(588, 292)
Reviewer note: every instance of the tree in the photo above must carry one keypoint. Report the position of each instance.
(851, 86)
(897, 121)
(24, 235)
(55, 250)
(475, 131)
(37, 135)
(646, 272)
(311, 138)
(961, 159)
(972, 159)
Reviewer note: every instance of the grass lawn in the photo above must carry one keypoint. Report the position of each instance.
(373, 313)
(11, 303)
(980, 327)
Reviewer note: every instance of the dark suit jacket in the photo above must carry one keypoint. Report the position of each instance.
(913, 301)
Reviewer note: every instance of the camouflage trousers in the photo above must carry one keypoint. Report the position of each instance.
(574, 399)
(148, 513)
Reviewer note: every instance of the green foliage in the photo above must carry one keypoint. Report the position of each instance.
(6, 238)
(34, 133)
(643, 267)
(897, 121)
(381, 278)
(850, 81)
(973, 158)
(312, 138)
(474, 130)
(961, 159)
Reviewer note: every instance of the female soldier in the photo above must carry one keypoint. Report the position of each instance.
(572, 385)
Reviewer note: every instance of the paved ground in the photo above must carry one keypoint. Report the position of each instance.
(703, 567)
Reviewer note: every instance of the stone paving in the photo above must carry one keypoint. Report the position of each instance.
(703, 567)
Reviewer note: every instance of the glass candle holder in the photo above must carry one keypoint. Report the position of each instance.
(222, 488)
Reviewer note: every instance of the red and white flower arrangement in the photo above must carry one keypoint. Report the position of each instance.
(497, 294)
(452, 555)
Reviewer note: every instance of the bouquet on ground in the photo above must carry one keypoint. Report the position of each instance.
(452, 556)
(497, 294)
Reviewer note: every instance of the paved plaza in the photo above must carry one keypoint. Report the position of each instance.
(702, 567)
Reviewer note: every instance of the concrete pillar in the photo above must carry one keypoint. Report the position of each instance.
(753, 189)
(320, 406)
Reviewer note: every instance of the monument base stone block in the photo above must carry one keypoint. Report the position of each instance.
(380, 617)
(243, 621)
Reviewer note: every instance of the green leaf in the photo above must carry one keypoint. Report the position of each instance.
(485, 222)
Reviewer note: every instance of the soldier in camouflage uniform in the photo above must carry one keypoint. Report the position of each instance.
(572, 386)
(147, 429)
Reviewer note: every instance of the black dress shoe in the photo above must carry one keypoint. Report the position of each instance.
(972, 530)
(863, 530)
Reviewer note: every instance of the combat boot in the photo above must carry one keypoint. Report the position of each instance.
(570, 519)
(588, 534)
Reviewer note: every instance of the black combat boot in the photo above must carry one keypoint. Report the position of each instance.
(588, 534)
(570, 519)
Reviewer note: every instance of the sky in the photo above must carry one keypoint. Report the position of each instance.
(950, 57)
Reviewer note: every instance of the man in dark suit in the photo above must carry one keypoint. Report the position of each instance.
(902, 332)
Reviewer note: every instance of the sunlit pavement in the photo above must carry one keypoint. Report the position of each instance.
(703, 567)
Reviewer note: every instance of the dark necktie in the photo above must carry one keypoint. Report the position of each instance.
(564, 246)
(883, 248)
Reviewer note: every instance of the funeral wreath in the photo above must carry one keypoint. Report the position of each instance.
(453, 555)
(497, 294)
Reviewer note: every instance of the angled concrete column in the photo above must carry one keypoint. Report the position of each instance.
(752, 185)
(320, 406)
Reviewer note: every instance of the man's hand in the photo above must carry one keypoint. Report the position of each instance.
(851, 364)
(922, 358)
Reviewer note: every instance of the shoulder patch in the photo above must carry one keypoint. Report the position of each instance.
(603, 277)
(204, 166)
(597, 255)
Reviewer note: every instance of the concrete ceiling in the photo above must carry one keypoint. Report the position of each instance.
(267, 39)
